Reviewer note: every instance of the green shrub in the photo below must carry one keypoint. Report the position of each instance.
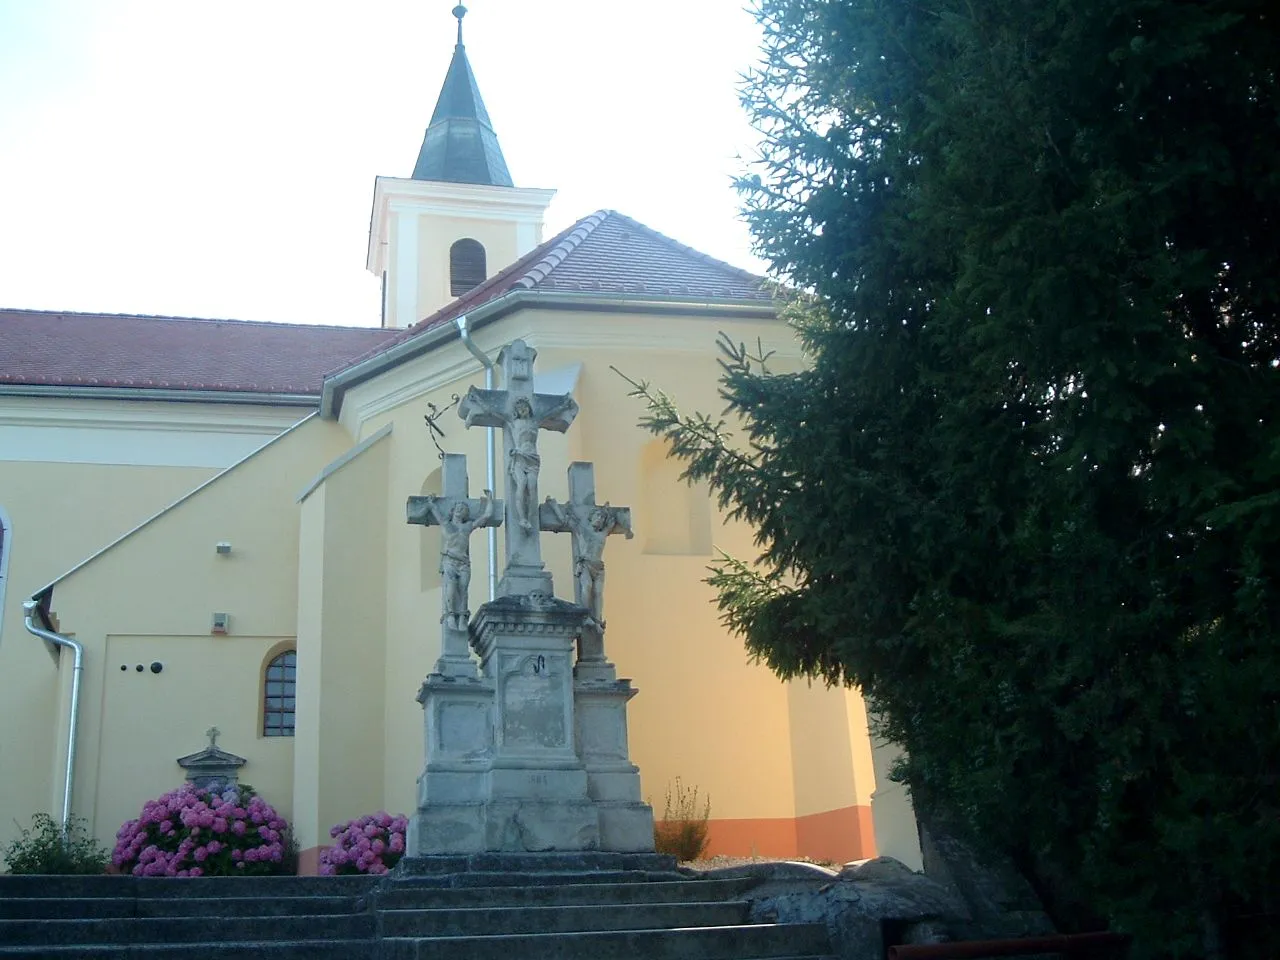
(46, 849)
(682, 831)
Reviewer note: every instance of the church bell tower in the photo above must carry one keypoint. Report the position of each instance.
(458, 219)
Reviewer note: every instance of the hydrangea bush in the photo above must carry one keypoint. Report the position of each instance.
(373, 843)
(192, 832)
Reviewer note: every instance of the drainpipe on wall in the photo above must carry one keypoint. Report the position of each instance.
(491, 453)
(29, 610)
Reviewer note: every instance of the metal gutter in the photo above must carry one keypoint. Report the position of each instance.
(337, 384)
(339, 462)
(30, 609)
(246, 397)
(491, 451)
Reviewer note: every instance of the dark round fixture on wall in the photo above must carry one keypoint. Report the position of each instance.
(124, 666)
(156, 666)
(139, 668)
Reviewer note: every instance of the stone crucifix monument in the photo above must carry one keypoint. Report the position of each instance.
(528, 753)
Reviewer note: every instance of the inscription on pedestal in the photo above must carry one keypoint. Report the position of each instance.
(533, 702)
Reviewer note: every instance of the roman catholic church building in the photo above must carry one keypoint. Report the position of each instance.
(202, 525)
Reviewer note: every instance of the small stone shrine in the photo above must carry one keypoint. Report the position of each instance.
(526, 747)
(212, 768)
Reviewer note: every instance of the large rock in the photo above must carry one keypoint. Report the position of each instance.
(866, 907)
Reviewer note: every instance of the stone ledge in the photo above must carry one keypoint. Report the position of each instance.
(532, 863)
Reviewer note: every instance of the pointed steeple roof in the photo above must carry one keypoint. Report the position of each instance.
(460, 145)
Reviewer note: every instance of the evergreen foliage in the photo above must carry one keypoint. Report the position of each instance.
(1027, 494)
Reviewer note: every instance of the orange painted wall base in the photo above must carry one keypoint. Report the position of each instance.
(309, 861)
(837, 836)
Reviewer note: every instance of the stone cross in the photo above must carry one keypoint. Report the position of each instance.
(590, 524)
(521, 413)
(457, 516)
(213, 733)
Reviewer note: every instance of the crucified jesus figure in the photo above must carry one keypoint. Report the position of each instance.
(590, 529)
(523, 463)
(456, 528)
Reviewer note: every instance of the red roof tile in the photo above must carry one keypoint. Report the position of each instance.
(114, 350)
(606, 253)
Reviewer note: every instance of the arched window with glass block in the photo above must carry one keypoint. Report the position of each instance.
(280, 684)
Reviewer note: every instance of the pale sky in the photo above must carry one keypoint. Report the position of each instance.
(217, 159)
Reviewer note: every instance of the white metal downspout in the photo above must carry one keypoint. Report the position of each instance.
(29, 610)
(491, 477)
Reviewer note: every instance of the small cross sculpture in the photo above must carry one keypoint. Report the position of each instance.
(458, 516)
(591, 524)
(213, 733)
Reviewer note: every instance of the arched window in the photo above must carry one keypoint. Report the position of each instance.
(466, 266)
(6, 538)
(278, 695)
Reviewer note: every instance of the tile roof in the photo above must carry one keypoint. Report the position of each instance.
(607, 253)
(48, 348)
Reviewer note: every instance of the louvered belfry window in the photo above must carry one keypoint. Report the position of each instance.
(466, 266)
(278, 695)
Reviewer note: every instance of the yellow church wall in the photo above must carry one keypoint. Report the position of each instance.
(785, 771)
(438, 233)
(341, 663)
(151, 596)
(59, 513)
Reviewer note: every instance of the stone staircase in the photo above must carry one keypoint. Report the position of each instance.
(429, 914)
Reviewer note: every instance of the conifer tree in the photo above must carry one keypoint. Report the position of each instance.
(1026, 493)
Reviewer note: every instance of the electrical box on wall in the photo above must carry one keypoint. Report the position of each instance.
(222, 548)
(221, 624)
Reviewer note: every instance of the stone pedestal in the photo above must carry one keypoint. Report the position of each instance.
(458, 721)
(536, 785)
(613, 781)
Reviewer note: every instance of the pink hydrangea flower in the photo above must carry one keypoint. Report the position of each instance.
(370, 844)
(174, 835)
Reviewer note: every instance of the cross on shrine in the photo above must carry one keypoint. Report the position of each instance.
(521, 413)
(590, 524)
(458, 516)
(213, 733)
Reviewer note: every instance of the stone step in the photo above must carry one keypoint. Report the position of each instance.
(477, 922)
(756, 941)
(172, 930)
(89, 908)
(550, 878)
(407, 895)
(212, 950)
(153, 887)
(585, 861)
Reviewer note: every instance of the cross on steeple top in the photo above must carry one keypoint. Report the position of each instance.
(459, 11)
